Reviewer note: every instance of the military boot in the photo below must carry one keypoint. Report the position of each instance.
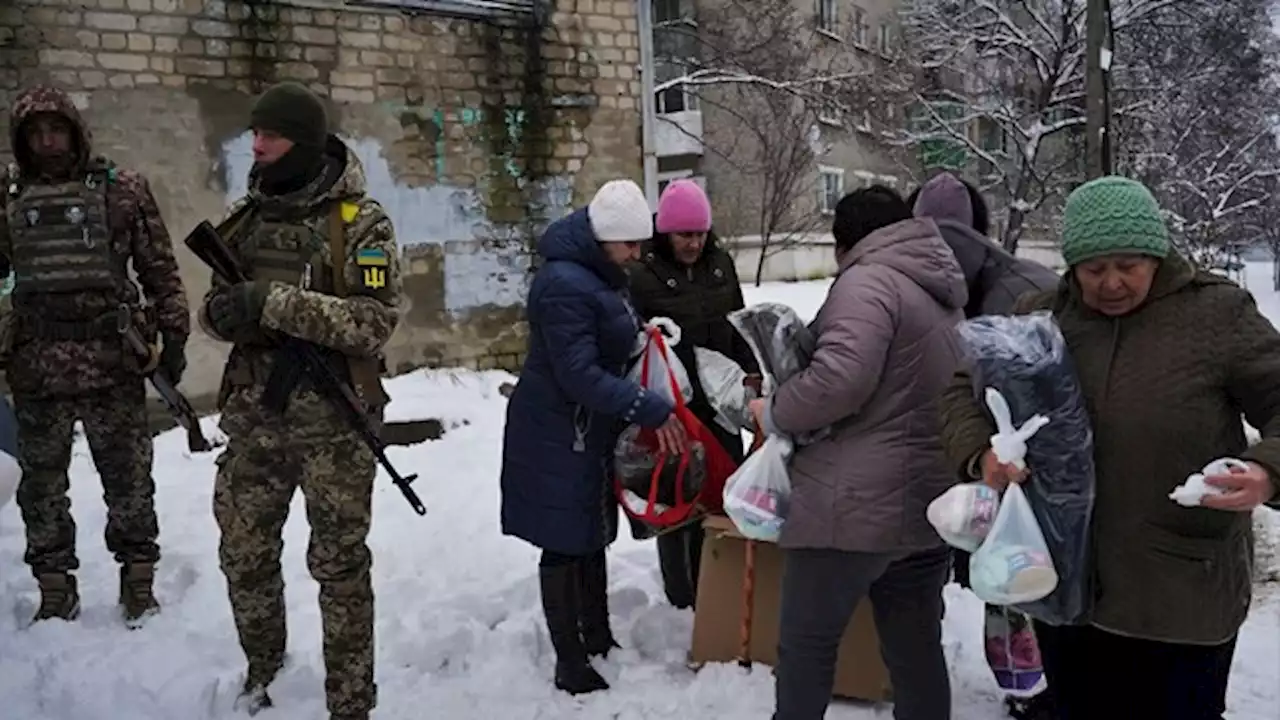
(59, 597)
(253, 698)
(137, 599)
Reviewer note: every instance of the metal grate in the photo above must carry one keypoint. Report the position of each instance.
(458, 8)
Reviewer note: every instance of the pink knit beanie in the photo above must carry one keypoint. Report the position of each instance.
(683, 208)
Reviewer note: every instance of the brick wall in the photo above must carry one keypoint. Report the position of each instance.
(472, 132)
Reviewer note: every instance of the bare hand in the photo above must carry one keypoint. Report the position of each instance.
(998, 475)
(1243, 490)
(757, 411)
(672, 437)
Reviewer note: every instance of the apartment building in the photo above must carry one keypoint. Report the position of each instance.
(760, 178)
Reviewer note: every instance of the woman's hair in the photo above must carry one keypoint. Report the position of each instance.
(978, 205)
(864, 211)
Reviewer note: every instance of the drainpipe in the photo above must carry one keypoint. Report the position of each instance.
(648, 103)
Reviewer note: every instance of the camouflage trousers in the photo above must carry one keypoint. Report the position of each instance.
(258, 474)
(115, 424)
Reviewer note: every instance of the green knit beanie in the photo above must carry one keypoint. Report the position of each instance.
(1112, 216)
(293, 111)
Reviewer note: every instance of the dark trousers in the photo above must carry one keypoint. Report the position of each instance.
(680, 558)
(820, 591)
(115, 424)
(1096, 675)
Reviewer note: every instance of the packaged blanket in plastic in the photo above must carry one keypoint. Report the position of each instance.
(724, 384)
(1025, 358)
(782, 344)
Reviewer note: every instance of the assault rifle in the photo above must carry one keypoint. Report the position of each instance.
(312, 363)
(178, 405)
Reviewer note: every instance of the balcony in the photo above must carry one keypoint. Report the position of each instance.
(679, 133)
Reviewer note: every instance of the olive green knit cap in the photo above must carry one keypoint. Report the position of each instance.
(1112, 216)
(293, 111)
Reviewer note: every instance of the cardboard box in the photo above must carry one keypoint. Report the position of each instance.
(860, 672)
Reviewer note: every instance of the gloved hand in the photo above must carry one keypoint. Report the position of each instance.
(237, 309)
(173, 357)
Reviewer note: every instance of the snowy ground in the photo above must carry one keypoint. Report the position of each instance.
(460, 633)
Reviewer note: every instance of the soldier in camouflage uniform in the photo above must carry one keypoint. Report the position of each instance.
(324, 264)
(71, 225)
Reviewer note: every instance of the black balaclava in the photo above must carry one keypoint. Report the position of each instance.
(295, 113)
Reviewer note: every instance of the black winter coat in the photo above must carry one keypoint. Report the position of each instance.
(698, 298)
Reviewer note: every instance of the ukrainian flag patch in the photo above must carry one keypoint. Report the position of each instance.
(350, 211)
(373, 268)
(371, 257)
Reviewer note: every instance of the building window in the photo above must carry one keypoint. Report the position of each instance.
(666, 11)
(674, 99)
(861, 29)
(886, 38)
(827, 15)
(830, 189)
(666, 178)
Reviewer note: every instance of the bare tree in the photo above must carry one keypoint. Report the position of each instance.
(771, 85)
(1206, 142)
(1002, 82)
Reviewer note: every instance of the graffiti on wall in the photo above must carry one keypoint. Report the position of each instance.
(513, 124)
(476, 273)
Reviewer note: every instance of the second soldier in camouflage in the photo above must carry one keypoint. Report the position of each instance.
(71, 225)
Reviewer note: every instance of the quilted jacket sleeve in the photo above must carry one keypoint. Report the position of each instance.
(567, 323)
(1254, 383)
(855, 333)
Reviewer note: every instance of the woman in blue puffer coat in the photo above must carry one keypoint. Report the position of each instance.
(563, 418)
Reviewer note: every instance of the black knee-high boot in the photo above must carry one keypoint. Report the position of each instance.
(597, 635)
(562, 608)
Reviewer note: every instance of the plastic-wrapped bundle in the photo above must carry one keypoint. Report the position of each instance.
(723, 384)
(634, 461)
(1025, 357)
(783, 345)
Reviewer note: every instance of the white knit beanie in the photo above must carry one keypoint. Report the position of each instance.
(619, 213)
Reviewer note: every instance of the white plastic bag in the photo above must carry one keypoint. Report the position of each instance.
(757, 495)
(1013, 565)
(722, 384)
(651, 367)
(964, 514)
(1194, 490)
(1010, 443)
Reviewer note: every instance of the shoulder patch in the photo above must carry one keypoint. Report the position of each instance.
(371, 257)
(350, 211)
(373, 268)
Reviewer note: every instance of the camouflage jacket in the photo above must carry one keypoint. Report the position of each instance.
(357, 325)
(38, 366)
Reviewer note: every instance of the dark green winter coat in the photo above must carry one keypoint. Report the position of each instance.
(698, 298)
(1165, 388)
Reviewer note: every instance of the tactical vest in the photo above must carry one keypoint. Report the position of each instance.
(60, 242)
(310, 252)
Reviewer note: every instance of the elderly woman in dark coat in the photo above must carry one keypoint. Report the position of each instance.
(1169, 358)
(563, 414)
(685, 275)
